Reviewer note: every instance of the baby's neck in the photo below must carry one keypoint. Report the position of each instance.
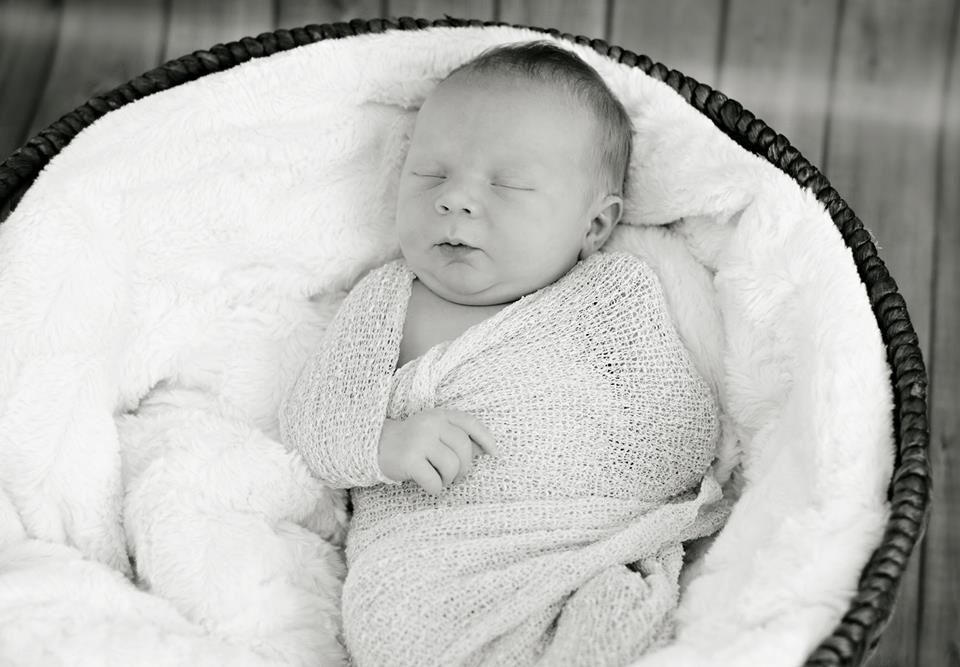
(431, 319)
(439, 305)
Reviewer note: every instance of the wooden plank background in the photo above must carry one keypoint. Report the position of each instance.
(869, 90)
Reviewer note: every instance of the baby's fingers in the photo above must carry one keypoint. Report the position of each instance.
(474, 428)
(427, 477)
(462, 446)
(445, 461)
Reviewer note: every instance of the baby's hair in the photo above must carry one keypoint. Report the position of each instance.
(545, 62)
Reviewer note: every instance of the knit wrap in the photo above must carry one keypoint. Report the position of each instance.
(606, 432)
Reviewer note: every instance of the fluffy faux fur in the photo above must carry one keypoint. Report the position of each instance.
(155, 301)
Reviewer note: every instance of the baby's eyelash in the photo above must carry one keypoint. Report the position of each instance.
(512, 187)
(428, 175)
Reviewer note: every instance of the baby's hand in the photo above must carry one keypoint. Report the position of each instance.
(434, 448)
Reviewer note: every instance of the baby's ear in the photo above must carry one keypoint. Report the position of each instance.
(607, 214)
(612, 209)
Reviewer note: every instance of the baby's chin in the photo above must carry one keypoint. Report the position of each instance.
(466, 287)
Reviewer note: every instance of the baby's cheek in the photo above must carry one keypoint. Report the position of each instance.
(407, 227)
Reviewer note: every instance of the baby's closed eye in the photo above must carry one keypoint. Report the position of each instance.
(510, 186)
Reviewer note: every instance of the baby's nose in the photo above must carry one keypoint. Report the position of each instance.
(456, 201)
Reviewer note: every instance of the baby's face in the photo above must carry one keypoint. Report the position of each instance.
(497, 192)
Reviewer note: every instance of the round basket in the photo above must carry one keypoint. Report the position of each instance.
(856, 636)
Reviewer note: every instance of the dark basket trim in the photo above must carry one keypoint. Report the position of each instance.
(858, 633)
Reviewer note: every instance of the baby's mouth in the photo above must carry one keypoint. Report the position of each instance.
(456, 243)
(454, 247)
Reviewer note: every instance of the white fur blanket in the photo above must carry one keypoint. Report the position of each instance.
(155, 302)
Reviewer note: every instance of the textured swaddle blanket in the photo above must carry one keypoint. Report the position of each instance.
(605, 430)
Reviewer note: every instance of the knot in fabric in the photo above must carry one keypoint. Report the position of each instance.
(427, 374)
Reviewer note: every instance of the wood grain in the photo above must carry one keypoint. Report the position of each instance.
(101, 44)
(777, 61)
(577, 18)
(682, 34)
(882, 157)
(939, 640)
(28, 39)
(296, 13)
(436, 9)
(199, 24)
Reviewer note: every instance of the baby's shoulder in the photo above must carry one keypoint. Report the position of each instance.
(625, 263)
(617, 274)
(381, 291)
(385, 277)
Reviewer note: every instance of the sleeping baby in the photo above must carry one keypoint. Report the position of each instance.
(525, 439)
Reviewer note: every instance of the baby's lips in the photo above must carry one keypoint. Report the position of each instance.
(453, 239)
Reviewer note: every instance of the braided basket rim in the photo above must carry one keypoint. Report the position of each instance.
(856, 636)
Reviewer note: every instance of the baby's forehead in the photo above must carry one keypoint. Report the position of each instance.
(496, 114)
(512, 91)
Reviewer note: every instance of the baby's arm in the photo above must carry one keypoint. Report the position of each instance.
(433, 448)
(335, 414)
(341, 454)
